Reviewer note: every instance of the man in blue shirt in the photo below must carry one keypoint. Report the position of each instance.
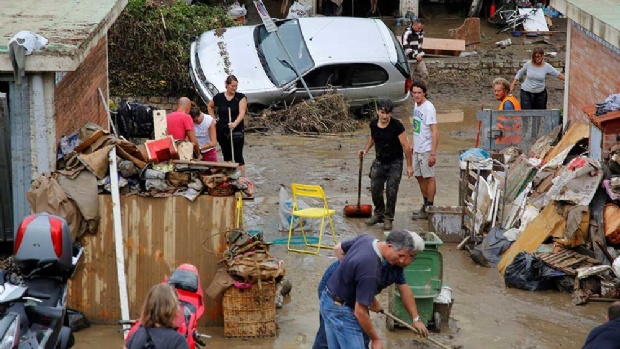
(365, 268)
(607, 335)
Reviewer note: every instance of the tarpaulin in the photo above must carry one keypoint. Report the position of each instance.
(83, 191)
(46, 195)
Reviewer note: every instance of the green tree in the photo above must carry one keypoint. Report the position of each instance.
(149, 47)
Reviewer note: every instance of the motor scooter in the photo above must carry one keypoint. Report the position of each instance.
(33, 289)
(186, 281)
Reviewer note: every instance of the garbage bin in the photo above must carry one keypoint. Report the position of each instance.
(425, 278)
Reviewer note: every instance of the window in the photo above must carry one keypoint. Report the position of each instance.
(321, 77)
(367, 75)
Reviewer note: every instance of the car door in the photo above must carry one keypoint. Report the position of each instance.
(322, 79)
(365, 83)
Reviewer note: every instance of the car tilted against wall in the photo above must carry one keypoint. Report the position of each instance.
(359, 57)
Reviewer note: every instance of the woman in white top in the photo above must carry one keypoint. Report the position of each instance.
(533, 90)
(204, 126)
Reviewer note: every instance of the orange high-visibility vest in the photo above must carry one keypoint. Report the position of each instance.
(514, 101)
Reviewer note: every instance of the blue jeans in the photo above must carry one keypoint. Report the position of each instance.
(320, 341)
(342, 329)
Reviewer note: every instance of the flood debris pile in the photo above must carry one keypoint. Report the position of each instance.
(83, 172)
(248, 284)
(548, 217)
(328, 113)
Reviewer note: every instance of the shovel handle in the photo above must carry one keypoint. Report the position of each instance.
(434, 341)
(359, 183)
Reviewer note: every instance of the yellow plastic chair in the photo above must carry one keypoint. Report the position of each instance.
(312, 191)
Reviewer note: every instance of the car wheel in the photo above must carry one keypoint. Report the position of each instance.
(256, 108)
(367, 111)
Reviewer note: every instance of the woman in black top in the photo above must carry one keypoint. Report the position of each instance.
(229, 109)
(157, 321)
(388, 137)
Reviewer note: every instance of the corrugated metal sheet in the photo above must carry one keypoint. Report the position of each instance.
(518, 128)
(159, 234)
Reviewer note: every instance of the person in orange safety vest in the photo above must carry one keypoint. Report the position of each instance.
(501, 88)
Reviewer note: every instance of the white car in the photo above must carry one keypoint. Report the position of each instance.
(359, 57)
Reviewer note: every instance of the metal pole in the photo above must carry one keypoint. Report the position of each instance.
(293, 65)
(232, 147)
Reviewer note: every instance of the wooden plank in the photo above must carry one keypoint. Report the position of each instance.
(450, 47)
(206, 163)
(160, 124)
(534, 234)
(159, 234)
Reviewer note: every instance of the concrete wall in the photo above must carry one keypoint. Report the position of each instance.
(77, 99)
(594, 64)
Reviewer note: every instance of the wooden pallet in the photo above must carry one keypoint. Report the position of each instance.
(567, 261)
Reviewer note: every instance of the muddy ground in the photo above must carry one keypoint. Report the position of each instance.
(485, 314)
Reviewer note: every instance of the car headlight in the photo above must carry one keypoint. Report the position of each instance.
(9, 331)
(212, 89)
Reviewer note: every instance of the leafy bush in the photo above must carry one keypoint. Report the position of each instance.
(149, 47)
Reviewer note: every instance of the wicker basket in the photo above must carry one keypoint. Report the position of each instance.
(250, 313)
(221, 191)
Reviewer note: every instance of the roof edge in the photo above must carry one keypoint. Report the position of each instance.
(597, 26)
(71, 58)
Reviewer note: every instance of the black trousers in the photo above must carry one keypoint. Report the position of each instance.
(385, 178)
(530, 100)
(223, 139)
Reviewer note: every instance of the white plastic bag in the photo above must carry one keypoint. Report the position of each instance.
(285, 210)
(29, 40)
(236, 10)
(298, 10)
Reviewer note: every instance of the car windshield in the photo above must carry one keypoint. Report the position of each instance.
(273, 56)
(402, 65)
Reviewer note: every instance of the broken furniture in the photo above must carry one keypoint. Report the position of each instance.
(315, 192)
(442, 47)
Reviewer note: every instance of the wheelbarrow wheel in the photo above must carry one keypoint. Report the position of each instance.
(438, 319)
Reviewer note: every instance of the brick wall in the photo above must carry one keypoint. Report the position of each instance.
(594, 66)
(76, 98)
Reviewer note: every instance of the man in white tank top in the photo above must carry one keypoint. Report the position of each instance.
(204, 126)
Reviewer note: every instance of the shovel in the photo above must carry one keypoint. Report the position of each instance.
(358, 210)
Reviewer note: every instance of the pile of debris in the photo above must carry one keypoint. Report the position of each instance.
(328, 113)
(542, 219)
(150, 169)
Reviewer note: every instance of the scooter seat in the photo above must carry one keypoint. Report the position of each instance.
(47, 289)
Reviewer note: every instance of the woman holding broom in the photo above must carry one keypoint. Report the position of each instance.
(229, 108)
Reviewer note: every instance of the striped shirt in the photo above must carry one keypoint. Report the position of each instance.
(412, 42)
